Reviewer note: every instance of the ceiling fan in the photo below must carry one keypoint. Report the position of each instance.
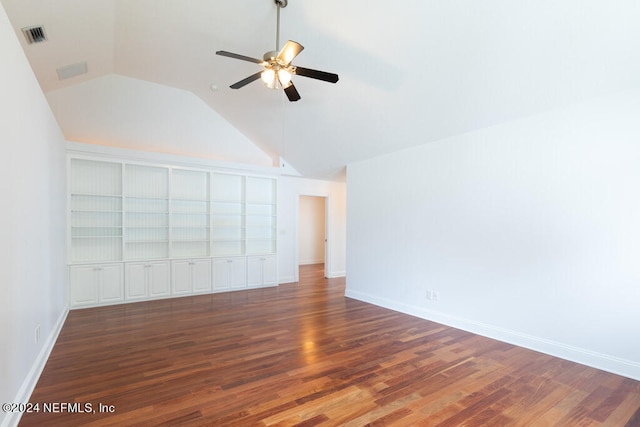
(278, 68)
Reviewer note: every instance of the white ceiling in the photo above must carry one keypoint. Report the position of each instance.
(411, 72)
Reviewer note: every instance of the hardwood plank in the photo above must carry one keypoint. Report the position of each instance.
(303, 354)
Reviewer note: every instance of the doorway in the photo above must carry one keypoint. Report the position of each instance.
(312, 231)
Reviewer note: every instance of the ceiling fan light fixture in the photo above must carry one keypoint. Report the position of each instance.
(276, 79)
(284, 76)
(278, 68)
(268, 77)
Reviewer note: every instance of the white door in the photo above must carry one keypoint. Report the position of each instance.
(110, 283)
(238, 272)
(158, 279)
(201, 274)
(220, 274)
(83, 281)
(255, 271)
(269, 271)
(135, 281)
(181, 277)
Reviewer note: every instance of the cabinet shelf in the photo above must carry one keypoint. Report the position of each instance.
(96, 211)
(228, 202)
(182, 199)
(147, 212)
(97, 237)
(189, 213)
(95, 226)
(136, 197)
(95, 195)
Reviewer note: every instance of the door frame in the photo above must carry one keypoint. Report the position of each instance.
(327, 233)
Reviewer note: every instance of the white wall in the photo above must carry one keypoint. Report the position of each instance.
(311, 230)
(529, 231)
(32, 258)
(120, 111)
(289, 191)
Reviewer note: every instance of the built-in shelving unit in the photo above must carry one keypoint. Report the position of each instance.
(96, 211)
(189, 213)
(260, 215)
(208, 230)
(227, 214)
(146, 212)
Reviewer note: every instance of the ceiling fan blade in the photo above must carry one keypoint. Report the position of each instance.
(290, 50)
(246, 81)
(292, 93)
(315, 74)
(236, 56)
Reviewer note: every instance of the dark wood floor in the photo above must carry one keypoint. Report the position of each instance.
(303, 354)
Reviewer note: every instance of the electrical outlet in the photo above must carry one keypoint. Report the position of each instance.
(37, 333)
(435, 296)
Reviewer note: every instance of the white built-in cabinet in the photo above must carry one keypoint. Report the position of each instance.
(190, 276)
(140, 231)
(145, 280)
(96, 284)
(261, 271)
(229, 273)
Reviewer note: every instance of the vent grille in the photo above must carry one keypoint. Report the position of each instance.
(35, 34)
(72, 70)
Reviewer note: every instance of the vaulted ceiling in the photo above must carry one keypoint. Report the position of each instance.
(411, 72)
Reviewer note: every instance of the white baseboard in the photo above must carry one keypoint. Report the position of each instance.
(286, 279)
(615, 365)
(29, 384)
(336, 274)
(311, 262)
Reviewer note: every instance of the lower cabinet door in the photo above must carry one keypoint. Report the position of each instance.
(201, 275)
(135, 281)
(83, 285)
(159, 279)
(269, 271)
(95, 284)
(220, 274)
(229, 273)
(261, 270)
(238, 272)
(181, 283)
(111, 283)
(144, 280)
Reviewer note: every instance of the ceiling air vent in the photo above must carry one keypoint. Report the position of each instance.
(34, 34)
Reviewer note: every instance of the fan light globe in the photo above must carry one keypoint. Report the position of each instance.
(268, 76)
(285, 77)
